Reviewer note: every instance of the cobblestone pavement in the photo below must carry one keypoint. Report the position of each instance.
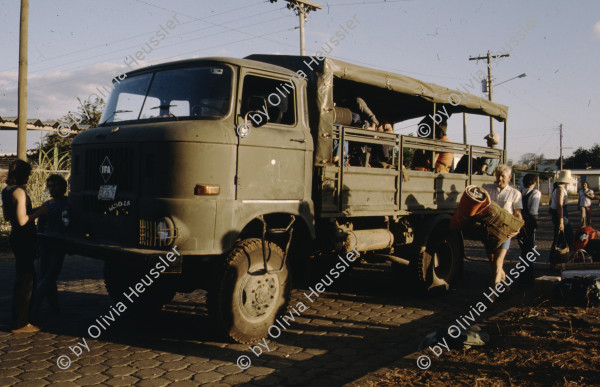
(363, 323)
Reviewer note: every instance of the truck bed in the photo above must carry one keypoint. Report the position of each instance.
(347, 191)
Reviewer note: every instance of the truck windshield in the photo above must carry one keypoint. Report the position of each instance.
(183, 93)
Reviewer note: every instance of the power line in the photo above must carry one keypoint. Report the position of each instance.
(138, 35)
(368, 3)
(295, 46)
(531, 106)
(137, 46)
(62, 65)
(174, 56)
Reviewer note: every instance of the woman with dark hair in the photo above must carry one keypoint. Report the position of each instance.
(16, 207)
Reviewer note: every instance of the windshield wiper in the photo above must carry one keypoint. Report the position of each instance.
(115, 112)
(163, 107)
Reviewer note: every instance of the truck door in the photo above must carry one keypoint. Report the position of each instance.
(271, 156)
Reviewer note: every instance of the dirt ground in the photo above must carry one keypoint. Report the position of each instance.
(535, 340)
(529, 346)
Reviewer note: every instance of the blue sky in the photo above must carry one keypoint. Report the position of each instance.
(76, 46)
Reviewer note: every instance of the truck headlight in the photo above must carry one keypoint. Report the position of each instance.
(158, 233)
(165, 232)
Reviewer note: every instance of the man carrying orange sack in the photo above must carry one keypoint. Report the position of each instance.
(510, 199)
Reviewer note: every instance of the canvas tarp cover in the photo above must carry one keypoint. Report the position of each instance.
(392, 96)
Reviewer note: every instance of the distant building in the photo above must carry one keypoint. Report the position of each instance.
(7, 158)
(546, 165)
(591, 176)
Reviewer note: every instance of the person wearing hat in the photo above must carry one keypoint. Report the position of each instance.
(487, 166)
(558, 209)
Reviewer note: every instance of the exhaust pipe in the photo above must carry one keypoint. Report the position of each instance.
(366, 240)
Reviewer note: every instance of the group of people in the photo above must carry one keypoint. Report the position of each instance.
(563, 230)
(30, 291)
(524, 204)
(362, 116)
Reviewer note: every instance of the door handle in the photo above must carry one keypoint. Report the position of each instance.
(301, 140)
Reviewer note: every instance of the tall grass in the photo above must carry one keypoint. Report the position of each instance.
(48, 163)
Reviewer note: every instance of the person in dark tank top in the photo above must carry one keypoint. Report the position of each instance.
(17, 209)
(52, 253)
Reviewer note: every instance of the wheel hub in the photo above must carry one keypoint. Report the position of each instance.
(258, 295)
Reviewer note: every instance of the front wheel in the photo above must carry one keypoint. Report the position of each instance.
(439, 266)
(244, 300)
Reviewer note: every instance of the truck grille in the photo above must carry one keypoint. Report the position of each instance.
(123, 164)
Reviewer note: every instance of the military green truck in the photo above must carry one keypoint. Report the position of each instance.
(225, 167)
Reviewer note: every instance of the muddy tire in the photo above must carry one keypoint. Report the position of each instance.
(243, 301)
(438, 268)
(118, 278)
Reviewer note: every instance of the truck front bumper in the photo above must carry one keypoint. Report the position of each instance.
(104, 250)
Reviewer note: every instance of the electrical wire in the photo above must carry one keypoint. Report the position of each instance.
(135, 36)
(137, 46)
(531, 106)
(175, 56)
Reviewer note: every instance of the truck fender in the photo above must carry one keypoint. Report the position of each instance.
(253, 228)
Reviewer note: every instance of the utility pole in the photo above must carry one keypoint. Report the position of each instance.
(22, 83)
(561, 147)
(489, 58)
(302, 8)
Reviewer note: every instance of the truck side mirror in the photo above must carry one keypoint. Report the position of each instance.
(256, 107)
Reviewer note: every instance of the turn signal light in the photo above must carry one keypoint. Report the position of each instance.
(207, 189)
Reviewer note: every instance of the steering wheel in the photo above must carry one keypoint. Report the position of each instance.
(195, 110)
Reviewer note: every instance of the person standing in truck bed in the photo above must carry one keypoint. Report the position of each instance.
(383, 155)
(362, 116)
(444, 160)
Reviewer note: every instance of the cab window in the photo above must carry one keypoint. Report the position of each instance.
(268, 99)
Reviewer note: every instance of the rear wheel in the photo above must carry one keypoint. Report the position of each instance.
(438, 267)
(244, 300)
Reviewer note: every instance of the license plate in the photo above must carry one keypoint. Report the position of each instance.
(107, 192)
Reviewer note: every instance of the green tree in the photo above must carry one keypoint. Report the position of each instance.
(88, 113)
(530, 159)
(583, 158)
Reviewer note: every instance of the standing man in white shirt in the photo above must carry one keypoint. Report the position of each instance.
(509, 199)
(531, 204)
(585, 201)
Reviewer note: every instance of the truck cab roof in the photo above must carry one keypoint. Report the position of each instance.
(240, 62)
